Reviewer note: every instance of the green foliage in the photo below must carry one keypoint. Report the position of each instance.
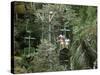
(44, 56)
(81, 55)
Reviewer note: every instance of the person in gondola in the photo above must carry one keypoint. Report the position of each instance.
(61, 41)
(67, 42)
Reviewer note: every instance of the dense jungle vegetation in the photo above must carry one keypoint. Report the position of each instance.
(36, 28)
